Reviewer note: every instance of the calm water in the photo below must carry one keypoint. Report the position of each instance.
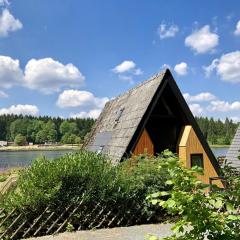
(24, 158)
(220, 151)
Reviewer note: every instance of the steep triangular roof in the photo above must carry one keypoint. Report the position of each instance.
(123, 119)
(234, 150)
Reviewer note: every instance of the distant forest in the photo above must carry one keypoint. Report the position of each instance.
(216, 131)
(23, 129)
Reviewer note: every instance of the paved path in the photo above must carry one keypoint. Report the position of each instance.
(123, 233)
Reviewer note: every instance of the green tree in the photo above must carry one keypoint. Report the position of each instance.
(70, 139)
(33, 128)
(18, 126)
(68, 127)
(29, 126)
(47, 134)
(78, 140)
(20, 140)
(52, 135)
(41, 137)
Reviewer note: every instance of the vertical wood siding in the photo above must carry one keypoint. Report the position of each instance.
(190, 144)
(144, 144)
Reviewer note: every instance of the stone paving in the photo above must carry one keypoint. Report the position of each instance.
(123, 233)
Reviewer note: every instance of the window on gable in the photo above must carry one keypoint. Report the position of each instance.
(119, 114)
(197, 160)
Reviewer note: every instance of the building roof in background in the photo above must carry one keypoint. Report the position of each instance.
(234, 150)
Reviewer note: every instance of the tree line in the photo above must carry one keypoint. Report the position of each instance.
(43, 129)
(217, 131)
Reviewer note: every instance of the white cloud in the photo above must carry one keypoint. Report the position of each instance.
(237, 30)
(125, 66)
(20, 109)
(165, 66)
(202, 40)
(207, 104)
(223, 106)
(48, 75)
(10, 72)
(8, 23)
(3, 94)
(209, 69)
(91, 114)
(45, 75)
(201, 97)
(167, 31)
(76, 98)
(235, 119)
(138, 71)
(83, 99)
(181, 68)
(227, 67)
(4, 3)
(196, 109)
(126, 78)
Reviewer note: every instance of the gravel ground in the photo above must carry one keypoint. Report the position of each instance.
(124, 233)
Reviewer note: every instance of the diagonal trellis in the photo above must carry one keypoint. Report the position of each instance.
(81, 215)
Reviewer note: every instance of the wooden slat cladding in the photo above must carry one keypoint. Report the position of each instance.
(190, 144)
(144, 144)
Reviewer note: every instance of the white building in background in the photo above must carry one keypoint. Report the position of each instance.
(3, 143)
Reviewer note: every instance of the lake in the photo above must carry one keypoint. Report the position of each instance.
(24, 158)
(219, 151)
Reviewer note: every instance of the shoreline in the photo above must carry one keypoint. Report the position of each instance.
(219, 146)
(61, 147)
(39, 148)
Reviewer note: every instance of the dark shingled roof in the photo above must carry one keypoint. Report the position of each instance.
(122, 120)
(233, 152)
(111, 133)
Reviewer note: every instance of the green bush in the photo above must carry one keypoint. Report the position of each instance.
(20, 140)
(203, 214)
(70, 139)
(64, 180)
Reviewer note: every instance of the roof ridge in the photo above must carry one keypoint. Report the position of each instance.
(140, 84)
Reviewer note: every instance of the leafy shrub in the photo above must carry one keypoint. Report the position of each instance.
(20, 140)
(64, 180)
(3, 178)
(202, 214)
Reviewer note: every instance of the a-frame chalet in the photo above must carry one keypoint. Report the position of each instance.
(152, 117)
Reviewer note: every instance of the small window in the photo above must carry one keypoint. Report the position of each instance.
(119, 114)
(197, 160)
(100, 149)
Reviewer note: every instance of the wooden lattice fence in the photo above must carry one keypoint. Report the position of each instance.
(83, 215)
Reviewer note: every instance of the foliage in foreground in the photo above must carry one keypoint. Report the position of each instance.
(202, 215)
(64, 180)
